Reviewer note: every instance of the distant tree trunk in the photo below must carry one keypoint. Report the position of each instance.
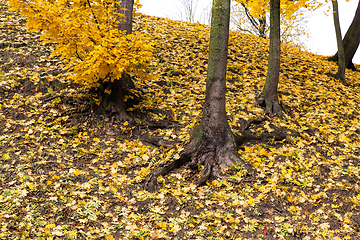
(113, 103)
(262, 27)
(212, 143)
(187, 10)
(259, 24)
(341, 69)
(269, 96)
(351, 41)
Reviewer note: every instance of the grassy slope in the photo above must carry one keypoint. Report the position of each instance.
(66, 173)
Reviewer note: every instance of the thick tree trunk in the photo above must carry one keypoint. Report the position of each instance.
(341, 69)
(351, 41)
(212, 143)
(216, 130)
(113, 103)
(269, 96)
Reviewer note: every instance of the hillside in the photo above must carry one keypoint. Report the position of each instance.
(67, 172)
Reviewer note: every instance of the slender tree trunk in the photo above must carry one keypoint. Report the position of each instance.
(351, 41)
(212, 143)
(126, 8)
(113, 103)
(262, 27)
(269, 96)
(341, 69)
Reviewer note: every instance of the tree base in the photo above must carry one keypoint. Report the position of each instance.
(350, 66)
(113, 105)
(215, 158)
(200, 151)
(271, 105)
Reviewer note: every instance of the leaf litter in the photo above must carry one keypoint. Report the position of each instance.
(67, 172)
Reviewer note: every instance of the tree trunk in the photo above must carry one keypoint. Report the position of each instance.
(341, 69)
(351, 41)
(126, 21)
(212, 143)
(113, 103)
(262, 27)
(269, 96)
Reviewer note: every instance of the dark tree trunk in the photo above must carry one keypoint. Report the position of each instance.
(212, 143)
(341, 69)
(269, 96)
(351, 41)
(113, 103)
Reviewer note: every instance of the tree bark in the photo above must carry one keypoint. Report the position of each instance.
(269, 96)
(113, 103)
(351, 41)
(341, 63)
(126, 8)
(212, 143)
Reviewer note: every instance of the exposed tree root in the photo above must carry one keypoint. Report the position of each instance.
(214, 157)
(158, 141)
(201, 151)
(271, 104)
(253, 121)
(185, 156)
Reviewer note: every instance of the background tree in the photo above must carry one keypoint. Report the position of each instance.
(351, 41)
(212, 143)
(253, 17)
(341, 69)
(269, 96)
(95, 39)
(187, 9)
(245, 22)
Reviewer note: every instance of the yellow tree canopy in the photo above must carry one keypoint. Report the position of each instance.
(87, 37)
(287, 7)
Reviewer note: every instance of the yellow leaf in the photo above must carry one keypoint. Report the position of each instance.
(6, 156)
(160, 179)
(264, 152)
(251, 202)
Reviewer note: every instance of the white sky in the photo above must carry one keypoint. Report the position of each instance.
(323, 40)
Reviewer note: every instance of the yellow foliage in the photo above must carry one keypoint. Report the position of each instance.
(87, 38)
(287, 8)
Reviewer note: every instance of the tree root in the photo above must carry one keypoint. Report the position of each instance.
(185, 156)
(214, 156)
(201, 151)
(158, 141)
(253, 121)
(271, 104)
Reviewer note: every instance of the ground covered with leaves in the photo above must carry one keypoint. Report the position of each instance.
(68, 172)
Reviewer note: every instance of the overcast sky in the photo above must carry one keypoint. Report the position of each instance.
(323, 40)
